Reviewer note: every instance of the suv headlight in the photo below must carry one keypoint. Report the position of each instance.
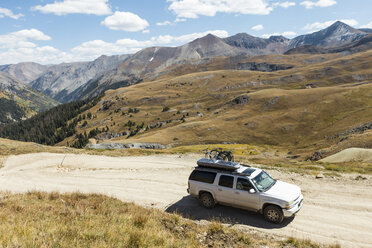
(289, 204)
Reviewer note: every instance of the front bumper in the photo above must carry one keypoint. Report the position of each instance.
(294, 208)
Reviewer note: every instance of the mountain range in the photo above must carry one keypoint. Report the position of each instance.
(303, 93)
(80, 80)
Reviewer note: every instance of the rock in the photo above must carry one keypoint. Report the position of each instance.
(358, 129)
(265, 67)
(361, 178)
(240, 100)
(318, 155)
(126, 146)
(293, 156)
(319, 176)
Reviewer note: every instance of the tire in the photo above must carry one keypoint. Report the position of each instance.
(273, 214)
(207, 200)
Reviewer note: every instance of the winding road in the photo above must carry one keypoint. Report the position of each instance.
(336, 210)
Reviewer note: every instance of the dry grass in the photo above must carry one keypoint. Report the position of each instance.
(37, 219)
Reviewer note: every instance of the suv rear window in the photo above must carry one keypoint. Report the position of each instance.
(226, 181)
(203, 176)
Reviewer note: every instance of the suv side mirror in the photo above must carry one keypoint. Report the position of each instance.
(252, 191)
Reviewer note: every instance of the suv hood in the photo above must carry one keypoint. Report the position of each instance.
(284, 191)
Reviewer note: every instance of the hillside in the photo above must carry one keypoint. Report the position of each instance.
(310, 106)
(312, 103)
(53, 125)
(19, 101)
(59, 81)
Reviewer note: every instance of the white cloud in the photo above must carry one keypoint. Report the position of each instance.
(20, 39)
(125, 21)
(284, 4)
(180, 20)
(257, 27)
(316, 26)
(288, 34)
(93, 49)
(165, 23)
(8, 13)
(91, 7)
(42, 55)
(369, 25)
(196, 8)
(319, 3)
(167, 39)
(21, 46)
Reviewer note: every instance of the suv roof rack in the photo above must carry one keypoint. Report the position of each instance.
(224, 166)
(246, 172)
(218, 164)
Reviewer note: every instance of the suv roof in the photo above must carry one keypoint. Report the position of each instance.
(241, 170)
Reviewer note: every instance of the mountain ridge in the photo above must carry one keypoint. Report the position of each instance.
(79, 80)
(25, 71)
(337, 34)
(58, 81)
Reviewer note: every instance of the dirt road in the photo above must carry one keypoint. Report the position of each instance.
(336, 210)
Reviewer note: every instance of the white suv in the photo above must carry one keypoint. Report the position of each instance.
(248, 188)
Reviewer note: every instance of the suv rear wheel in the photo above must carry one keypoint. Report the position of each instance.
(273, 214)
(207, 200)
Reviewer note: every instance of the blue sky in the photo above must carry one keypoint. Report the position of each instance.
(55, 31)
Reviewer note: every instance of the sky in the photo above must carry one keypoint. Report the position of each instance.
(56, 31)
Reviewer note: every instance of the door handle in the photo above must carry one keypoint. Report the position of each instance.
(219, 189)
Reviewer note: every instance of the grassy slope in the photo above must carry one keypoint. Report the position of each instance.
(280, 111)
(38, 219)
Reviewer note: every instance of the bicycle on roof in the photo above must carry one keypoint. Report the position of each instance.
(219, 154)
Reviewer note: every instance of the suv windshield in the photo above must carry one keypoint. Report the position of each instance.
(263, 181)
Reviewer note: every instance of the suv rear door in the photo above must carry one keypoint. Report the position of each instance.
(225, 189)
(242, 196)
(202, 180)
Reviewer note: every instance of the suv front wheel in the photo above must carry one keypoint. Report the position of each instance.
(273, 214)
(207, 200)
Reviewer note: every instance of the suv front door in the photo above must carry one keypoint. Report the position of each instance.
(242, 196)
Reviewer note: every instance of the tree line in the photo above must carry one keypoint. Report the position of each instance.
(51, 126)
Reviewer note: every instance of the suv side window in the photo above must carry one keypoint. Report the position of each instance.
(203, 176)
(243, 184)
(226, 181)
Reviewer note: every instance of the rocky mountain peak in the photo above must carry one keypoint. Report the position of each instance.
(340, 28)
(207, 40)
(337, 34)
